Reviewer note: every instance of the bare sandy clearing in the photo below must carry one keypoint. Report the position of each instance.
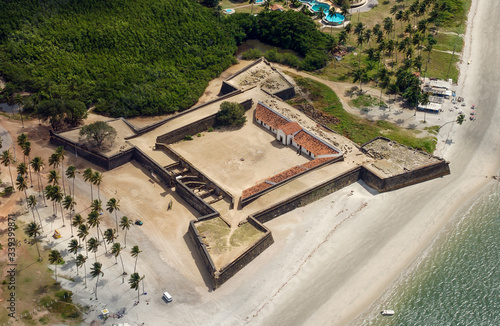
(219, 154)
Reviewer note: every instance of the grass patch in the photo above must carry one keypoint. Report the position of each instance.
(35, 287)
(439, 65)
(446, 42)
(358, 129)
(215, 232)
(365, 100)
(246, 234)
(432, 130)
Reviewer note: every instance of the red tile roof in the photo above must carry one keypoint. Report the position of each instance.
(290, 128)
(269, 117)
(312, 144)
(287, 174)
(277, 7)
(316, 162)
(255, 189)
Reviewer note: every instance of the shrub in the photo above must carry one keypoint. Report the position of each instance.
(231, 114)
(8, 191)
(252, 54)
(99, 132)
(188, 137)
(210, 129)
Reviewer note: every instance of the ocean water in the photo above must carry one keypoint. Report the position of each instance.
(457, 281)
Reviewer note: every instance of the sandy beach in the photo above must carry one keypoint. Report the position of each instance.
(333, 259)
(343, 278)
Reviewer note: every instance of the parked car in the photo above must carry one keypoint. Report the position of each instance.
(138, 222)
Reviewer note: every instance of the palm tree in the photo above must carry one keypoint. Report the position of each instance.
(55, 259)
(60, 152)
(54, 160)
(125, 224)
(58, 197)
(135, 253)
(343, 37)
(109, 236)
(359, 29)
(321, 13)
(82, 260)
(367, 36)
(7, 160)
(22, 186)
(94, 220)
(69, 204)
(394, 9)
(252, 2)
(96, 205)
(345, 10)
(22, 169)
(37, 165)
(267, 4)
(116, 250)
(93, 245)
(388, 25)
(53, 177)
(83, 232)
(71, 174)
(21, 139)
(32, 205)
(78, 220)
(73, 248)
(26, 152)
(49, 193)
(97, 180)
(113, 205)
(96, 271)
(359, 75)
(400, 16)
(135, 281)
(348, 28)
(87, 177)
(384, 80)
(33, 230)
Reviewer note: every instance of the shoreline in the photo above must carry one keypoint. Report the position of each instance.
(471, 152)
(461, 205)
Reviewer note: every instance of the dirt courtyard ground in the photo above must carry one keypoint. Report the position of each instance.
(219, 155)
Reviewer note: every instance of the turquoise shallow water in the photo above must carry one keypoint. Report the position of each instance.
(458, 281)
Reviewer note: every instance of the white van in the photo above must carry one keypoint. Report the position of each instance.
(167, 296)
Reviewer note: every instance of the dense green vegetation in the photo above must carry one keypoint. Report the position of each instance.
(128, 57)
(148, 57)
(231, 114)
(359, 129)
(290, 30)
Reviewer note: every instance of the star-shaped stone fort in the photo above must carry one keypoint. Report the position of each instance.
(239, 179)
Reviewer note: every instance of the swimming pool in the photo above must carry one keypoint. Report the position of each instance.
(316, 7)
(335, 18)
(228, 11)
(259, 2)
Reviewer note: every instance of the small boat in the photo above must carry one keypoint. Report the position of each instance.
(387, 312)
